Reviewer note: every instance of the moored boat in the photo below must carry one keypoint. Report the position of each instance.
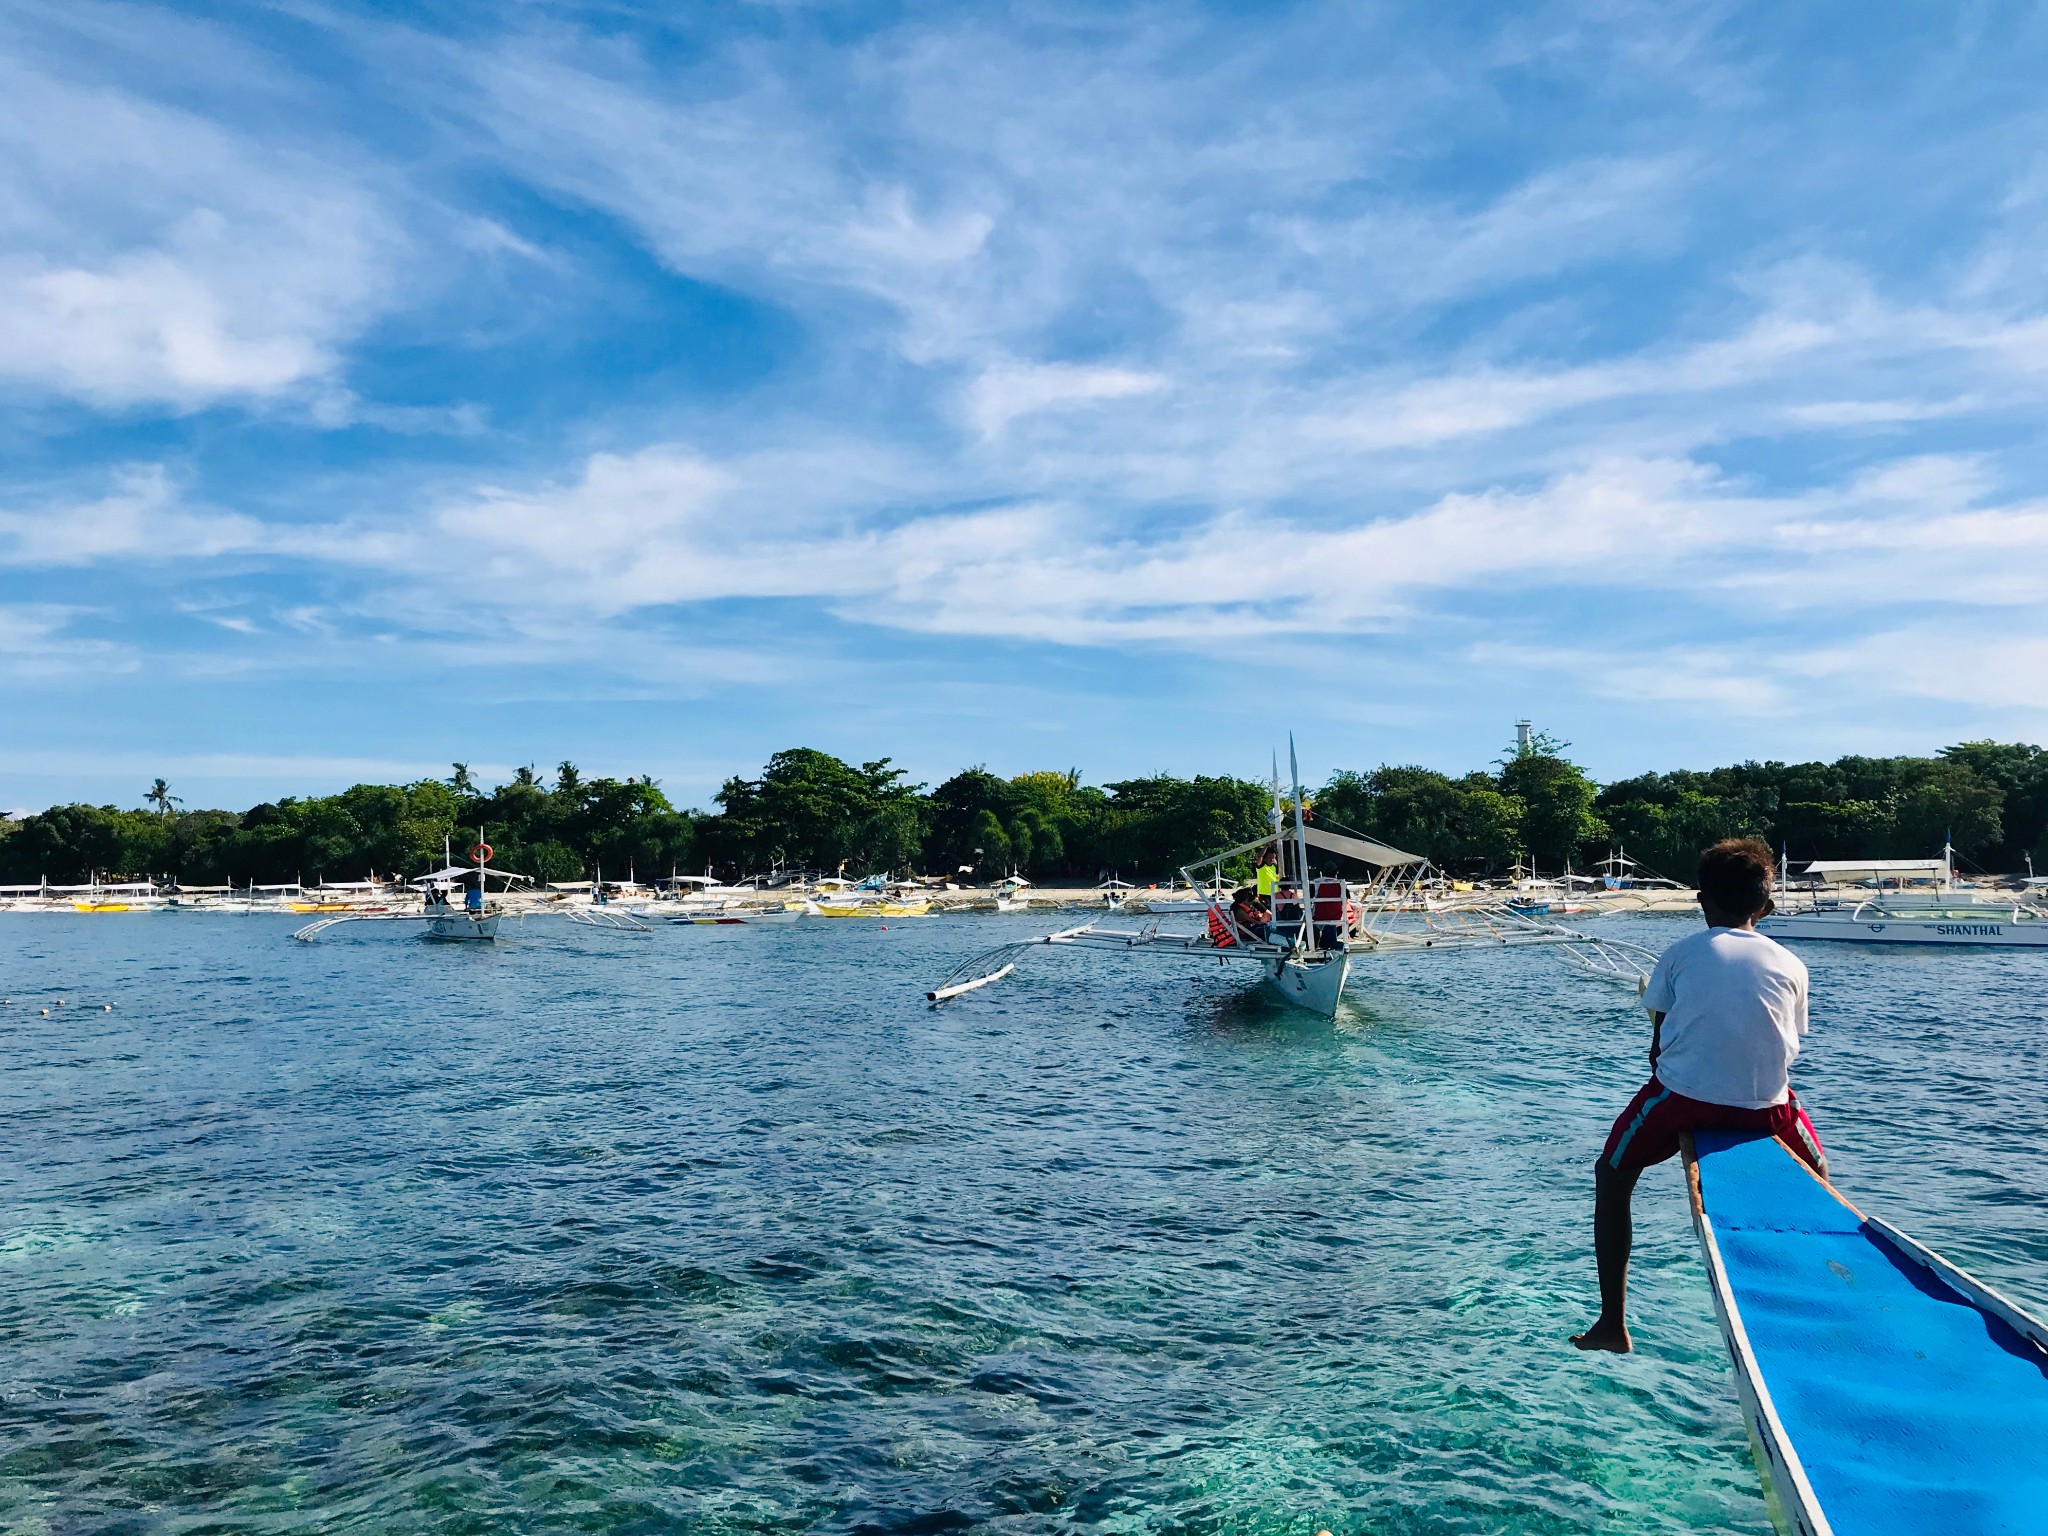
(872, 908)
(736, 917)
(1903, 901)
(1885, 1390)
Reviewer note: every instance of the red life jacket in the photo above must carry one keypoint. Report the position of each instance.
(1221, 934)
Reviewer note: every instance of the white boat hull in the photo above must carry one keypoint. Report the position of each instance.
(1312, 984)
(743, 919)
(462, 927)
(1994, 929)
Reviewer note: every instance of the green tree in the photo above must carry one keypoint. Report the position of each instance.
(1455, 823)
(2020, 774)
(810, 810)
(1557, 806)
(957, 817)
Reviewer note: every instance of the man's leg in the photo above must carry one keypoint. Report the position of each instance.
(1613, 1237)
(1791, 1126)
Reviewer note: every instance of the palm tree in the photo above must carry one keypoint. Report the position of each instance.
(567, 779)
(161, 797)
(460, 781)
(524, 777)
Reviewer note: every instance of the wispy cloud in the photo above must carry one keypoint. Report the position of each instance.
(1028, 329)
(150, 254)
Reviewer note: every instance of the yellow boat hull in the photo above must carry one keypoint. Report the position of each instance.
(877, 909)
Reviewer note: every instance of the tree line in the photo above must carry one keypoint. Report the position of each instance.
(810, 810)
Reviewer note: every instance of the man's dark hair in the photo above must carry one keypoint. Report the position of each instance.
(1735, 876)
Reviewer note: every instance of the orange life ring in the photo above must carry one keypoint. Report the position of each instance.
(481, 853)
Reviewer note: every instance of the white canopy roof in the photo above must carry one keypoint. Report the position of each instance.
(456, 872)
(1365, 850)
(1851, 871)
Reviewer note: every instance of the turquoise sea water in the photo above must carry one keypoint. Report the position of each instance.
(725, 1230)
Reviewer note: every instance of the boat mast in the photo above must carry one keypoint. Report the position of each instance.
(1274, 819)
(1307, 937)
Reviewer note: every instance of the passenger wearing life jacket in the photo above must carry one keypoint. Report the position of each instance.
(1252, 920)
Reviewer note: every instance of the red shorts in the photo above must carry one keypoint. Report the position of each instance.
(1647, 1131)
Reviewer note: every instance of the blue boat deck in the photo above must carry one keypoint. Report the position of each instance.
(1909, 1403)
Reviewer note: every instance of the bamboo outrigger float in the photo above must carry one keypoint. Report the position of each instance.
(1319, 923)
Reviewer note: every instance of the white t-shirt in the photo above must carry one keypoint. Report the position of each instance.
(1734, 1006)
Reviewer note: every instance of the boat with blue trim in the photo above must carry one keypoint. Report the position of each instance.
(1885, 1389)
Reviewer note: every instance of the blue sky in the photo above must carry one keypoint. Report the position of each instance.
(1037, 386)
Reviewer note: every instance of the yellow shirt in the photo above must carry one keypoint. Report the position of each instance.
(1269, 879)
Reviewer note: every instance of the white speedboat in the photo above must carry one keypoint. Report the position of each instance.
(1904, 901)
(1879, 921)
(742, 917)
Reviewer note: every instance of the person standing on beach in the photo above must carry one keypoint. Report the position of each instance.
(1727, 1008)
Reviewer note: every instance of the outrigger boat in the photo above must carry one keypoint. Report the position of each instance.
(474, 919)
(1885, 1390)
(1319, 923)
(1902, 901)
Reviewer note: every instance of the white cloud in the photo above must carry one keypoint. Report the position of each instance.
(151, 255)
(1960, 662)
(1006, 391)
(139, 519)
(39, 640)
(1735, 679)
(1086, 359)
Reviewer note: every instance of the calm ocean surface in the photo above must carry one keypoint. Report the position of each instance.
(725, 1230)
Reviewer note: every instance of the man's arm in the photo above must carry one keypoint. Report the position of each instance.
(1656, 1038)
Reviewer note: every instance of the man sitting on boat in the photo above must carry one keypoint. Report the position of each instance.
(1727, 1008)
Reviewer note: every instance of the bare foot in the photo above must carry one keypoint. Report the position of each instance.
(1608, 1336)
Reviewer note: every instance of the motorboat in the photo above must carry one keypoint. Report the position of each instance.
(1902, 901)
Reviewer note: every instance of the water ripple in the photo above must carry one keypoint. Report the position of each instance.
(726, 1232)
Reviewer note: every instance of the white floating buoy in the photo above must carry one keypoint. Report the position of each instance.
(46, 1013)
(106, 1007)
